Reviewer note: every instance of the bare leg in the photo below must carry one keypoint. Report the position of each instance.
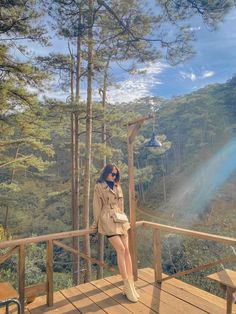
(128, 262)
(122, 251)
(118, 245)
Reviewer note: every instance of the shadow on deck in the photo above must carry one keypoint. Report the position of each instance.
(104, 296)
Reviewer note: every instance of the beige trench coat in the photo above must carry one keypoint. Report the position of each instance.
(105, 202)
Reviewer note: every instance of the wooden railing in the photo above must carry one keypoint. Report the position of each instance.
(158, 228)
(19, 246)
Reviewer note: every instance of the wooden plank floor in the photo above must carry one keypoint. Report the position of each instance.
(104, 296)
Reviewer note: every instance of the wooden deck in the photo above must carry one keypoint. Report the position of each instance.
(104, 296)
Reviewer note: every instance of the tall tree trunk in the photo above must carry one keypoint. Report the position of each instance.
(74, 145)
(140, 186)
(104, 96)
(76, 223)
(88, 143)
(14, 170)
(5, 227)
(104, 162)
(163, 177)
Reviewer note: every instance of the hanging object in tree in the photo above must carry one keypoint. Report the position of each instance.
(153, 142)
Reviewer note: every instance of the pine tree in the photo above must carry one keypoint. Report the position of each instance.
(23, 132)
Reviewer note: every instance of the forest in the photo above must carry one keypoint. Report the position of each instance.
(51, 149)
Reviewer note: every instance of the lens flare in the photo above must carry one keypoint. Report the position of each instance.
(195, 194)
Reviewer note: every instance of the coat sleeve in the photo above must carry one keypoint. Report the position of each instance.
(121, 200)
(97, 207)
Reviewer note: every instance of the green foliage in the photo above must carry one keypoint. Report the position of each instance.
(212, 12)
(35, 145)
(34, 266)
(62, 281)
(4, 234)
(21, 19)
(20, 115)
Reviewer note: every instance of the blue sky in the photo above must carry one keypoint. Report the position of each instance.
(214, 62)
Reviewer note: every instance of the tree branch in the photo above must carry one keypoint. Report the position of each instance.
(15, 160)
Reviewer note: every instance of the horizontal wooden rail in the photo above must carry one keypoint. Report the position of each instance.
(8, 254)
(199, 268)
(187, 232)
(34, 290)
(53, 236)
(18, 245)
(88, 258)
(191, 233)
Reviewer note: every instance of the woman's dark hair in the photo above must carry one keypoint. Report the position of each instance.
(106, 171)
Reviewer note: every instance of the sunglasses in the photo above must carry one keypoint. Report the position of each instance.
(113, 174)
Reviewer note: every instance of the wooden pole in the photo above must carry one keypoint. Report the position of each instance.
(21, 276)
(157, 255)
(133, 128)
(49, 273)
(229, 300)
(132, 206)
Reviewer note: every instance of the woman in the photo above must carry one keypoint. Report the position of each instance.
(108, 199)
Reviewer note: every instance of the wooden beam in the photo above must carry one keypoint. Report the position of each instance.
(7, 291)
(190, 233)
(49, 270)
(35, 290)
(21, 276)
(199, 268)
(88, 258)
(139, 223)
(133, 131)
(132, 211)
(229, 300)
(140, 120)
(157, 255)
(226, 278)
(53, 236)
(8, 254)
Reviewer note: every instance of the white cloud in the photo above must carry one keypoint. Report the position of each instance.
(194, 29)
(133, 86)
(207, 74)
(137, 85)
(192, 76)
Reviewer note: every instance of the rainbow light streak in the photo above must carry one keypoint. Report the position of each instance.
(193, 197)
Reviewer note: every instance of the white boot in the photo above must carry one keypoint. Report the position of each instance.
(128, 291)
(133, 288)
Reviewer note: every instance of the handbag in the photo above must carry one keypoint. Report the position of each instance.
(120, 217)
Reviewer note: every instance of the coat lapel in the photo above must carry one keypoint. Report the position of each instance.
(106, 187)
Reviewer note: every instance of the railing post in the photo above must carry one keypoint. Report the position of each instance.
(49, 273)
(100, 255)
(229, 300)
(157, 255)
(21, 276)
